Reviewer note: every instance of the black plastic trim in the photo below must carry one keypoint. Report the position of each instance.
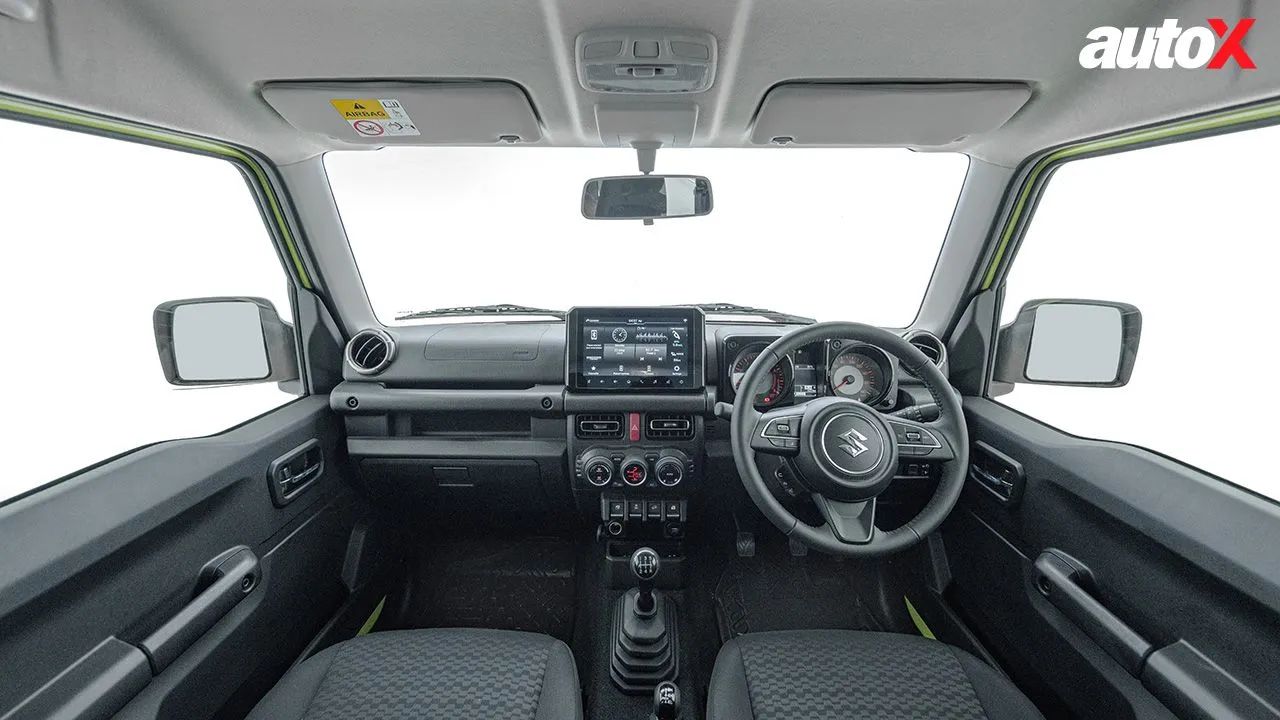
(94, 688)
(1176, 506)
(364, 398)
(499, 449)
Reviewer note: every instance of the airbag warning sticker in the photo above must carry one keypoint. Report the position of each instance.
(376, 118)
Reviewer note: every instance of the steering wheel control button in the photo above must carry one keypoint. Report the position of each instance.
(914, 435)
(782, 427)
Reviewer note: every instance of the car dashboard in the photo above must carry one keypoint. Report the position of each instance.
(521, 422)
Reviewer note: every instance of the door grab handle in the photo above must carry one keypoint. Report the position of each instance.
(1061, 579)
(231, 576)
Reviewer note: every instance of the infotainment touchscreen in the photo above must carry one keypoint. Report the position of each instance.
(635, 348)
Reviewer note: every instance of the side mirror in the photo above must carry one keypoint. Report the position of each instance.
(1087, 343)
(224, 341)
(646, 197)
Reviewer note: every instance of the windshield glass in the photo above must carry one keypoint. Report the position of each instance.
(830, 234)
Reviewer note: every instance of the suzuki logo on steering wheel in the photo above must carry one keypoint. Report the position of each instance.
(855, 442)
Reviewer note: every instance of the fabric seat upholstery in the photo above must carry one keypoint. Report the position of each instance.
(443, 674)
(846, 675)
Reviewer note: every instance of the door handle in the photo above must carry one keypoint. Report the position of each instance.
(997, 473)
(292, 473)
(1062, 580)
(226, 580)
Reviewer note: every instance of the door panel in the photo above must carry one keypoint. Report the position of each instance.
(117, 552)
(1185, 562)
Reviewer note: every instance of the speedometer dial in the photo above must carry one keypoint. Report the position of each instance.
(772, 387)
(856, 375)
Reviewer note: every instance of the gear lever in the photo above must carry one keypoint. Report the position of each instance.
(646, 648)
(666, 701)
(645, 564)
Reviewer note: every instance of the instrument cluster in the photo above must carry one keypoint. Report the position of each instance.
(846, 369)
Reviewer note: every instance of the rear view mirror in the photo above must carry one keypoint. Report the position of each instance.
(646, 197)
(224, 341)
(1070, 342)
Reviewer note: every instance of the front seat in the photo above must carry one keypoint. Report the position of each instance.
(428, 674)
(846, 675)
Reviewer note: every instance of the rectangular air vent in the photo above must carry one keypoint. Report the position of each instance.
(600, 427)
(669, 427)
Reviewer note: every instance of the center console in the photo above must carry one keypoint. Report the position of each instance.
(635, 453)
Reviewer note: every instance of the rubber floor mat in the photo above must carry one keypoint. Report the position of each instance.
(509, 585)
(786, 593)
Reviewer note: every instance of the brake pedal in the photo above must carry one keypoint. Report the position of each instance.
(746, 544)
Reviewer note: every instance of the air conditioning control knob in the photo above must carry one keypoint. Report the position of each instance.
(669, 472)
(597, 468)
(635, 470)
(670, 467)
(599, 472)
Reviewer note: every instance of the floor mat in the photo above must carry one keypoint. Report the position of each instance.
(788, 593)
(523, 584)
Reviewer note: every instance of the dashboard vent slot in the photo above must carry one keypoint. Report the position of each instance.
(669, 427)
(371, 351)
(601, 427)
(929, 344)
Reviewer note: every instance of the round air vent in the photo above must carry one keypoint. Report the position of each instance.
(929, 344)
(371, 351)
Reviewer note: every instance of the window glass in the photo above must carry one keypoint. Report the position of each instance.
(832, 234)
(98, 232)
(1187, 233)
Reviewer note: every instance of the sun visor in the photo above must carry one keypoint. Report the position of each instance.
(887, 115)
(471, 113)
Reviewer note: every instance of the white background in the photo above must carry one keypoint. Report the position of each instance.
(99, 232)
(1188, 233)
(826, 234)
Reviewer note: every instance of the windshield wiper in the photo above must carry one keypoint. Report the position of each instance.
(481, 310)
(773, 315)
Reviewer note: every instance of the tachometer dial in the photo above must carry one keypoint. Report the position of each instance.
(856, 375)
(773, 387)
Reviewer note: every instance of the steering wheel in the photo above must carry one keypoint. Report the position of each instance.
(845, 453)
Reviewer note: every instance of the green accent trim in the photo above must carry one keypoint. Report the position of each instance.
(919, 622)
(172, 139)
(1175, 129)
(373, 619)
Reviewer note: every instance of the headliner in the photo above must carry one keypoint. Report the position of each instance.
(198, 67)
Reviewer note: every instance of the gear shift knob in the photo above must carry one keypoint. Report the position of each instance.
(645, 564)
(666, 701)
